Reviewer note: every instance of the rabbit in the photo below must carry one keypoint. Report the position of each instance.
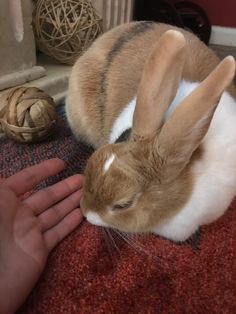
(159, 108)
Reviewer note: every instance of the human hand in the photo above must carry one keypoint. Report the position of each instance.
(30, 227)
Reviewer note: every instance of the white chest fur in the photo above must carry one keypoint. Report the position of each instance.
(124, 120)
(215, 173)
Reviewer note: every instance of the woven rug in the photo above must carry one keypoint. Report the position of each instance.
(90, 272)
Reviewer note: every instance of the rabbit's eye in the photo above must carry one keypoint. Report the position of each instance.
(122, 206)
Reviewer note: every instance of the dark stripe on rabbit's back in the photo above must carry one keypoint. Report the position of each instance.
(136, 30)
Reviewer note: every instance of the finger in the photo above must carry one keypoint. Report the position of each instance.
(8, 204)
(53, 236)
(25, 195)
(55, 214)
(43, 199)
(26, 179)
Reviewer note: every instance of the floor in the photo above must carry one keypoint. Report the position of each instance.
(55, 82)
(223, 51)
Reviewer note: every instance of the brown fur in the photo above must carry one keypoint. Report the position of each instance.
(123, 78)
(150, 178)
(134, 172)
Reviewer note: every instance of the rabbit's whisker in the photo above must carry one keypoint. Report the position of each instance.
(131, 239)
(110, 239)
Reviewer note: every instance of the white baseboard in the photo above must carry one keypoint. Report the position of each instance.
(225, 36)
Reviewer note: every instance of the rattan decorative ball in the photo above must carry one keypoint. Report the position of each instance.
(27, 114)
(64, 29)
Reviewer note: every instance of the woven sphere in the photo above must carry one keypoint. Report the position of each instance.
(27, 114)
(64, 29)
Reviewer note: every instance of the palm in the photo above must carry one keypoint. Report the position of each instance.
(30, 227)
(28, 237)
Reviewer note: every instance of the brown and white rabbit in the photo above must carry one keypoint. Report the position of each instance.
(177, 170)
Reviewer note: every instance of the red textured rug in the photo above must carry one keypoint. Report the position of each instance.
(90, 272)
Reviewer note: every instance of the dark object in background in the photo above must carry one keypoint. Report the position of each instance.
(185, 14)
(157, 10)
(195, 19)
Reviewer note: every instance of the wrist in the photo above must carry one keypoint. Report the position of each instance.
(17, 279)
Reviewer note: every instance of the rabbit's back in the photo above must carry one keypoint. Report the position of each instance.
(106, 78)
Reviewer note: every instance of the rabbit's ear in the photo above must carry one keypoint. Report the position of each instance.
(160, 79)
(184, 130)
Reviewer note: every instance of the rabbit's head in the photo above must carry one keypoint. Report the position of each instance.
(135, 185)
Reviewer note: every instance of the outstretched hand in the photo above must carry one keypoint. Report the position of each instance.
(31, 225)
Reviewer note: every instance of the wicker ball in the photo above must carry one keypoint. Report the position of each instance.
(27, 114)
(64, 29)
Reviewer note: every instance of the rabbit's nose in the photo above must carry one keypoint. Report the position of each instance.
(95, 219)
